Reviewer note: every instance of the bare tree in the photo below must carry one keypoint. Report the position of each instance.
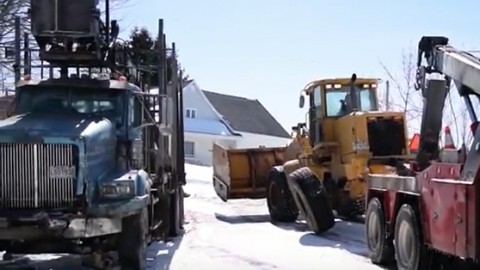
(402, 95)
(8, 10)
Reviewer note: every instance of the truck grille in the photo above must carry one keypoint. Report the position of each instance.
(37, 175)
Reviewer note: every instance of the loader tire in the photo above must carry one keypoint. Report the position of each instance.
(380, 246)
(281, 205)
(132, 242)
(410, 251)
(312, 199)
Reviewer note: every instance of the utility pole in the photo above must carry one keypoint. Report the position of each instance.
(387, 95)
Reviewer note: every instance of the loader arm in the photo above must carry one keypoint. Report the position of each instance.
(455, 65)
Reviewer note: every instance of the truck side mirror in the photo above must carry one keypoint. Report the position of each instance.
(301, 102)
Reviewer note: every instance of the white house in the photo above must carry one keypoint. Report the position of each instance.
(231, 121)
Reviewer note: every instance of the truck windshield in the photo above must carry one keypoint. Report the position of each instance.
(338, 100)
(87, 101)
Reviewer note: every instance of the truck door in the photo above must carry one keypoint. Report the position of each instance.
(315, 114)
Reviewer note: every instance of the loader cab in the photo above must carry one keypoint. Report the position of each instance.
(330, 99)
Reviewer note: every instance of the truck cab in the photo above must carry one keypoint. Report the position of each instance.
(74, 134)
(91, 160)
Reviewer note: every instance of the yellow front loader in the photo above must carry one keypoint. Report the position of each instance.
(325, 166)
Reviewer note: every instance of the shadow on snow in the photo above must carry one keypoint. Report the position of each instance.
(160, 254)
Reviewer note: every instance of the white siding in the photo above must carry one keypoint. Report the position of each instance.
(203, 145)
(193, 99)
(252, 140)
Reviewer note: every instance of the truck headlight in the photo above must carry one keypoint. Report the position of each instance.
(118, 189)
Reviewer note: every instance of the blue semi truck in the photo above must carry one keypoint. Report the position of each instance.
(91, 161)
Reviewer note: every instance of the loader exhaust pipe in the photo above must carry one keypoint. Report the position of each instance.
(353, 93)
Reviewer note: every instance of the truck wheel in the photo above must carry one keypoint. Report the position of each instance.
(132, 246)
(380, 248)
(313, 201)
(410, 251)
(281, 205)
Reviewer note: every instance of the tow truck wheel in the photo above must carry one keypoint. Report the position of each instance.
(312, 199)
(410, 251)
(380, 248)
(132, 244)
(281, 205)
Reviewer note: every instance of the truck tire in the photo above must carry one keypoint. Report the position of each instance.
(132, 244)
(281, 205)
(410, 251)
(312, 199)
(380, 247)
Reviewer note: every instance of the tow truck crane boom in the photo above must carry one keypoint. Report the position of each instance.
(455, 65)
(461, 66)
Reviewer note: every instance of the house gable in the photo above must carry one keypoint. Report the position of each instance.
(194, 102)
(200, 116)
(246, 115)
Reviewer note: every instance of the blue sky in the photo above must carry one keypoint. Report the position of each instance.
(269, 49)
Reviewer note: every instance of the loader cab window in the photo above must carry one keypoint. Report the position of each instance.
(338, 102)
(316, 101)
(368, 100)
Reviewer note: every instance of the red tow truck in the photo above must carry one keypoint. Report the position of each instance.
(428, 216)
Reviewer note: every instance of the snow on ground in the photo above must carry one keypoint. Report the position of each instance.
(239, 235)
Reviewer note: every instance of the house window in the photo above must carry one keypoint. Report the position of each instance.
(189, 149)
(191, 113)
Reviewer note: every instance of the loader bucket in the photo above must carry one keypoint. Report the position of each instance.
(242, 173)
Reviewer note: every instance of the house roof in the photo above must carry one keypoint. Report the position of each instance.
(212, 127)
(246, 115)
